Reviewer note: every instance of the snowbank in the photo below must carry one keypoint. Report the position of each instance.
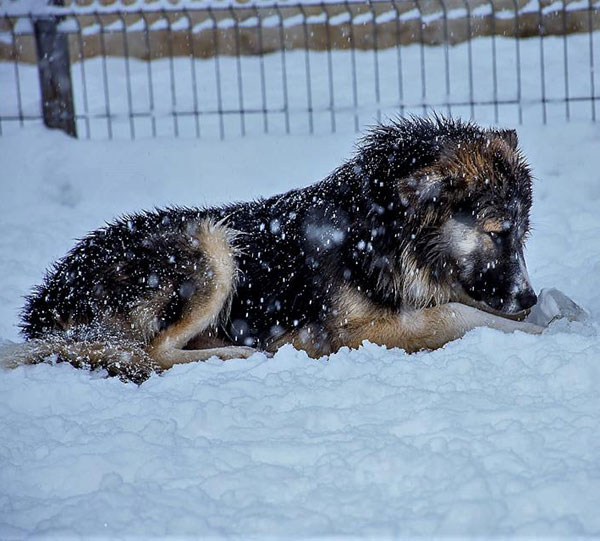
(494, 434)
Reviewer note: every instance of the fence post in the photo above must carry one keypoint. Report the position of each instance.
(54, 68)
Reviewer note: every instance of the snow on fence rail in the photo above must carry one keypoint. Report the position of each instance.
(222, 69)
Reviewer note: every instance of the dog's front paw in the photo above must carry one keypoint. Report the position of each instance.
(553, 304)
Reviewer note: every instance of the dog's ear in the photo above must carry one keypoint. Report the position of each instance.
(510, 137)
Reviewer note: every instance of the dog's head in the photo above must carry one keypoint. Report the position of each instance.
(454, 199)
(481, 239)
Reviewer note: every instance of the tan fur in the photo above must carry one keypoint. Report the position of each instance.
(312, 339)
(207, 340)
(473, 162)
(170, 356)
(209, 304)
(418, 290)
(430, 328)
(118, 356)
(358, 319)
(410, 283)
(493, 225)
(143, 319)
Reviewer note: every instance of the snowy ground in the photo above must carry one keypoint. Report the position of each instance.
(493, 435)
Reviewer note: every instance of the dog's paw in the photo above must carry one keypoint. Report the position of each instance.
(553, 304)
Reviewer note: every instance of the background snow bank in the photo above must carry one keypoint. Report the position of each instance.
(495, 434)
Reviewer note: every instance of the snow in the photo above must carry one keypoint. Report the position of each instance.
(493, 435)
(365, 443)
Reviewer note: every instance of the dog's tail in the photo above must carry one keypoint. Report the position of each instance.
(120, 358)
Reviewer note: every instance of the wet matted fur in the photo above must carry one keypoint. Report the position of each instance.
(415, 240)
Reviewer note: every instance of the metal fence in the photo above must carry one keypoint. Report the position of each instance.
(226, 70)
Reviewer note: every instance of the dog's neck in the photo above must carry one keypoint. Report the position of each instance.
(386, 239)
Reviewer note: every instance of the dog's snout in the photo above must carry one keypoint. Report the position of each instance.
(527, 298)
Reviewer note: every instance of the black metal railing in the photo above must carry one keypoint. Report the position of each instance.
(312, 67)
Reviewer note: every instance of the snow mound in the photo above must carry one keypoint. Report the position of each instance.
(495, 434)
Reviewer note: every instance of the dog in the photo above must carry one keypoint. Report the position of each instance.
(415, 240)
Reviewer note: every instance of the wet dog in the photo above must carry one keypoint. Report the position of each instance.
(415, 240)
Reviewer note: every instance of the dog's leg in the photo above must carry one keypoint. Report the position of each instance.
(211, 298)
(171, 356)
(459, 319)
(429, 328)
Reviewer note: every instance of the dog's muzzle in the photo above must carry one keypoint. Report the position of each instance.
(464, 298)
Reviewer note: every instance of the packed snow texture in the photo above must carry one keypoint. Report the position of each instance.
(494, 434)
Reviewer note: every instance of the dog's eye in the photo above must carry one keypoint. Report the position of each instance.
(498, 235)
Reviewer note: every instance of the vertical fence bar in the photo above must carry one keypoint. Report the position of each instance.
(104, 76)
(54, 66)
(284, 88)
(566, 60)
(446, 55)
(238, 63)
(309, 97)
(127, 75)
(190, 35)
(399, 56)
(542, 63)
(329, 68)
(148, 53)
(375, 61)
(470, 59)
(494, 60)
(172, 74)
(9, 24)
(353, 61)
(422, 56)
(518, 58)
(261, 57)
(86, 108)
(15, 57)
(592, 82)
(217, 72)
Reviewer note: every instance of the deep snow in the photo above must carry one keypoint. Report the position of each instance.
(494, 434)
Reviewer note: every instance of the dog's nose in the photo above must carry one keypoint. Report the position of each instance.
(527, 299)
